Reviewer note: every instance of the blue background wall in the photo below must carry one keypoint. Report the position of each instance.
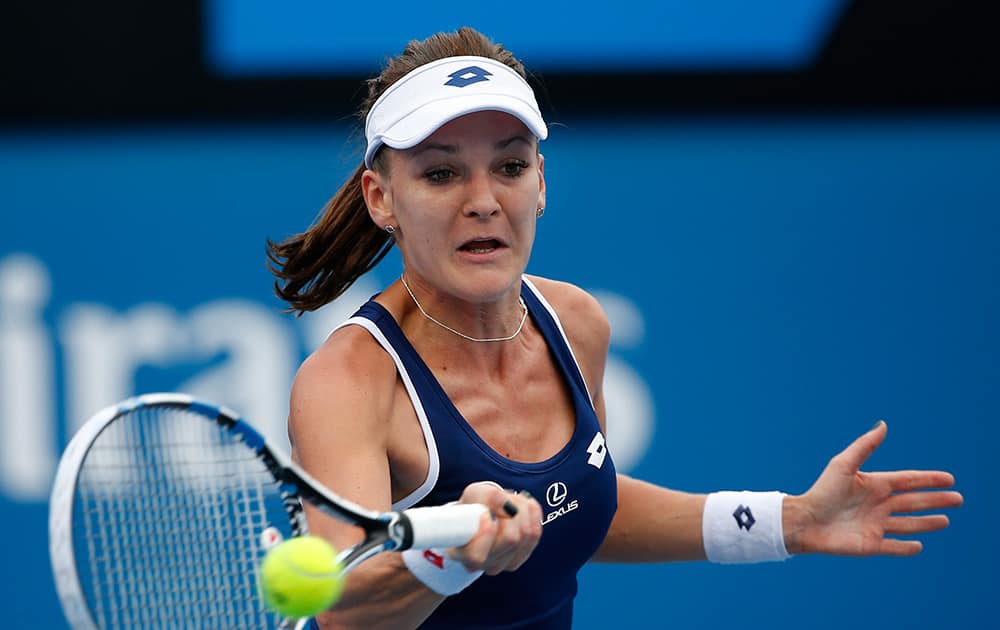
(260, 38)
(776, 285)
(818, 252)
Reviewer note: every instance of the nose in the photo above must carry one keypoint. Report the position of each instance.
(481, 200)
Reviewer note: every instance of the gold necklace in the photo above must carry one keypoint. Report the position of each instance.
(524, 318)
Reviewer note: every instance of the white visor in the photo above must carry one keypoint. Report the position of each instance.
(428, 97)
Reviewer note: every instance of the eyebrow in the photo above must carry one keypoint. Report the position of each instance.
(424, 147)
(503, 144)
(451, 149)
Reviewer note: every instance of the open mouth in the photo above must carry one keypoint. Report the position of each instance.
(481, 246)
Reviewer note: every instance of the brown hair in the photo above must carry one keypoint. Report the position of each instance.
(313, 268)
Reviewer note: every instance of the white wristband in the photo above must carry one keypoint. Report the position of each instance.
(439, 572)
(743, 527)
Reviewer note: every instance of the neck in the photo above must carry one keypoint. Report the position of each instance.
(440, 324)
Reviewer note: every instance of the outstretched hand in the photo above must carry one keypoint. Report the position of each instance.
(849, 512)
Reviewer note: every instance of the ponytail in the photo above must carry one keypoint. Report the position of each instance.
(315, 267)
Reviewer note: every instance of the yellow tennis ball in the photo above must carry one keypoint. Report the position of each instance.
(301, 577)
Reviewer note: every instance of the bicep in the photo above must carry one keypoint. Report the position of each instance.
(338, 428)
(341, 412)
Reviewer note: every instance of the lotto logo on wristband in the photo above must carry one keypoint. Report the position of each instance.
(724, 544)
(434, 558)
(744, 517)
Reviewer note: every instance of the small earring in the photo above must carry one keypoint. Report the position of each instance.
(389, 230)
(540, 211)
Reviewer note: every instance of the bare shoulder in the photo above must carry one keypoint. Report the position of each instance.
(577, 309)
(349, 379)
(582, 317)
(340, 420)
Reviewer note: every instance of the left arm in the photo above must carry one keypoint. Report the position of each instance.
(846, 512)
(653, 524)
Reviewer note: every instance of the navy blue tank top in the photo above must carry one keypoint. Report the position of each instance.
(576, 487)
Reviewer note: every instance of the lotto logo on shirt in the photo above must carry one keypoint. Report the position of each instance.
(598, 451)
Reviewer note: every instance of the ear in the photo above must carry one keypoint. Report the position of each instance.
(541, 181)
(378, 198)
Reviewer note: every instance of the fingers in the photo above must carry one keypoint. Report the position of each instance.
(894, 547)
(516, 536)
(909, 480)
(855, 455)
(909, 525)
(924, 501)
(507, 536)
(902, 525)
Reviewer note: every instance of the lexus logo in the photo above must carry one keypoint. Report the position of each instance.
(556, 493)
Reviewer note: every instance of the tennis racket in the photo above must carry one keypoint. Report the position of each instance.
(159, 508)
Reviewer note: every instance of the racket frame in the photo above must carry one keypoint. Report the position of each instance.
(384, 531)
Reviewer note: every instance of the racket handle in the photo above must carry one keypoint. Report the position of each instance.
(451, 525)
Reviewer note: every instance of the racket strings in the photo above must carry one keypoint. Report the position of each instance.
(169, 511)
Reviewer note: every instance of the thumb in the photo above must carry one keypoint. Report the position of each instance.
(861, 449)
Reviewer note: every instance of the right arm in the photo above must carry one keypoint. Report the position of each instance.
(344, 403)
(339, 420)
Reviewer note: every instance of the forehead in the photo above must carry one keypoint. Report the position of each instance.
(487, 126)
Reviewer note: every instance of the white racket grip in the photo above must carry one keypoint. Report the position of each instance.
(451, 525)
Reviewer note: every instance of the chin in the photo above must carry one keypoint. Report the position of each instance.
(489, 286)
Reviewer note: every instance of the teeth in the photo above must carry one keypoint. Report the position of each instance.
(480, 250)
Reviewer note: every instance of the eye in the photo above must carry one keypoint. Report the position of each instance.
(513, 168)
(439, 175)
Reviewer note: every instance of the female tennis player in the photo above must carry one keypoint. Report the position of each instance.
(467, 380)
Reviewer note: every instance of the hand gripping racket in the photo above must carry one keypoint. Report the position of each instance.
(158, 510)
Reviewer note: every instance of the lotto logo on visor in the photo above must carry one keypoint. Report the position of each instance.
(423, 100)
(468, 76)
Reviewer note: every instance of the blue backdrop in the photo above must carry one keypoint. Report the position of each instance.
(257, 37)
(775, 287)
